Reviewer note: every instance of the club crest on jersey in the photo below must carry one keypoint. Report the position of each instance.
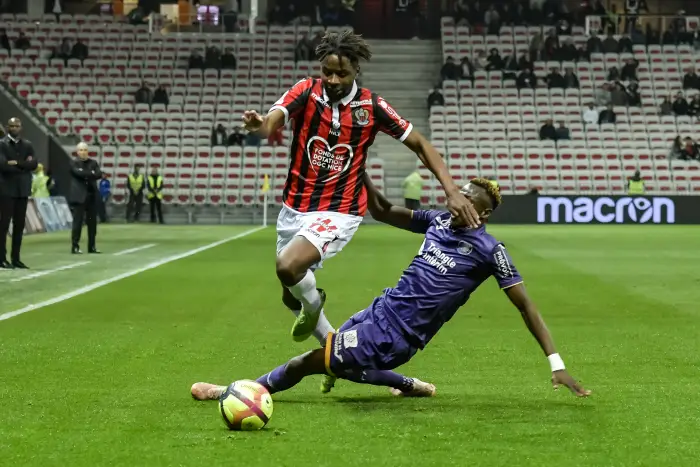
(465, 248)
(362, 117)
(335, 160)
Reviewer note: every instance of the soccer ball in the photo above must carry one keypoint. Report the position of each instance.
(245, 406)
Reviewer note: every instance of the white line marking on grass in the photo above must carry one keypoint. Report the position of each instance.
(134, 250)
(102, 283)
(49, 271)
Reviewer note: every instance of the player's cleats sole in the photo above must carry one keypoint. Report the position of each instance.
(420, 389)
(327, 384)
(207, 391)
(307, 320)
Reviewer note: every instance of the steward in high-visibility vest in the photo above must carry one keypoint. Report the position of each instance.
(40, 182)
(635, 185)
(155, 195)
(136, 185)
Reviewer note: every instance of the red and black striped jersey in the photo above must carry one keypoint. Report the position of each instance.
(330, 145)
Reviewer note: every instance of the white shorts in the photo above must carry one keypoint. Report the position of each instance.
(329, 232)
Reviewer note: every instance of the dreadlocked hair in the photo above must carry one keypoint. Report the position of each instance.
(345, 44)
(492, 188)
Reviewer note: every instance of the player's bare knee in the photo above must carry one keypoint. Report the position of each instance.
(287, 270)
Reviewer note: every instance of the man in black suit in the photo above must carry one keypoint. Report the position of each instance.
(17, 162)
(84, 197)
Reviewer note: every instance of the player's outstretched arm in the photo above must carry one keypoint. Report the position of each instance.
(383, 211)
(533, 320)
(431, 158)
(263, 126)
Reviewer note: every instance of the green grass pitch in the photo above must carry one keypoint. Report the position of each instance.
(104, 378)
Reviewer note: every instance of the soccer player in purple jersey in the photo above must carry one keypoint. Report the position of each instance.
(452, 262)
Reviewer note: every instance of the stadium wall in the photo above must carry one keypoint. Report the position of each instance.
(529, 209)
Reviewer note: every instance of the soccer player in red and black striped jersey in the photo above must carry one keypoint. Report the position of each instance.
(335, 123)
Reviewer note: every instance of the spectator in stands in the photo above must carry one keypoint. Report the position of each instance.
(2, 131)
(694, 108)
(526, 79)
(461, 12)
(218, 136)
(594, 44)
(5, 41)
(680, 105)
(584, 54)
(607, 116)
(481, 61)
(536, 46)
(495, 62)
(691, 80)
(276, 138)
(618, 95)
(625, 45)
(143, 95)
(570, 79)
(568, 52)
(435, 97)
(467, 69)
(613, 74)
(629, 70)
(555, 80)
(676, 149)
(610, 45)
(524, 62)
(602, 95)
(65, 49)
(510, 68)
(236, 138)
(161, 96)
(79, 51)
(228, 60)
(563, 132)
(551, 46)
(492, 20)
(450, 70)
(690, 151)
(137, 16)
(634, 99)
(195, 61)
(303, 50)
(252, 139)
(666, 107)
(547, 131)
(212, 58)
(22, 42)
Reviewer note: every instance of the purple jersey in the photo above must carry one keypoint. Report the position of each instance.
(449, 266)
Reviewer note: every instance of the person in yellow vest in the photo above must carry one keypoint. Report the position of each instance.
(40, 183)
(412, 190)
(155, 195)
(136, 185)
(635, 185)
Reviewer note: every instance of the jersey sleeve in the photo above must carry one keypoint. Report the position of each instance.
(293, 101)
(421, 219)
(390, 122)
(503, 269)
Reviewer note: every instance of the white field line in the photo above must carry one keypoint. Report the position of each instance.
(102, 283)
(49, 271)
(134, 250)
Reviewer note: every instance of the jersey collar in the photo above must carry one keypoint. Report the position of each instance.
(347, 99)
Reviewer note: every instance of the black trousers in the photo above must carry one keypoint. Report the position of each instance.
(85, 213)
(156, 207)
(102, 209)
(413, 204)
(15, 210)
(134, 206)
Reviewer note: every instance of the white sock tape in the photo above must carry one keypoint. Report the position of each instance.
(556, 362)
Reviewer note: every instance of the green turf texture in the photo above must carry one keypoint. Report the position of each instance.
(104, 378)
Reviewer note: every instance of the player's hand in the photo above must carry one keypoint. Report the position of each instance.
(252, 121)
(561, 377)
(462, 210)
(11, 162)
(29, 158)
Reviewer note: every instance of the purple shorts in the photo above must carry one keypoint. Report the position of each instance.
(367, 341)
